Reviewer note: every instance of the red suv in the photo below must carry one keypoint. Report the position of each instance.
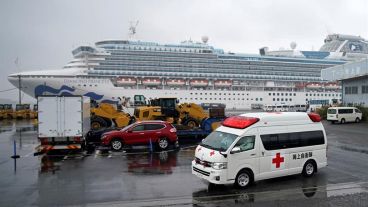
(160, 133)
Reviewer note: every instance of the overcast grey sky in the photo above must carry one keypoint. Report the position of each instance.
(42, 33)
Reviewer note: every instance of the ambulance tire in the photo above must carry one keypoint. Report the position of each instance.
(309, 168)
(244, 178)
(342, 121)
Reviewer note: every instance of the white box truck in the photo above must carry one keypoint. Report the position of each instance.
(63, 122)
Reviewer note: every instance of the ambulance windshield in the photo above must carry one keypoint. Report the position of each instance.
(220, 141)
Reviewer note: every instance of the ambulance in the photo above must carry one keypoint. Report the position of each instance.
(258, 146)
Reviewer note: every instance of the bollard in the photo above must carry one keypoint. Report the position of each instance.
(15, 156)
(150, 145)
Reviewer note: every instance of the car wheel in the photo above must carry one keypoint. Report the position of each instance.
(357, 120)
(309, 169)
(163, 143)
(342, 121)
(243, 179)
(116, 144)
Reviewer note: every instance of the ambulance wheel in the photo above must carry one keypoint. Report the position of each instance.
(116, 144)
(342, 121)
(357, 120)
(309, 168)
(243, 179)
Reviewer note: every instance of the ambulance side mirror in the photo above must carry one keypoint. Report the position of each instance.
(235, 150)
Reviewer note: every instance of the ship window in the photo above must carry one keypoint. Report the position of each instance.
(273, 94)
(286, 94)
(306, 94)
(269, 94)
(273, 99)
(278, 99)
(294, 94)
(278, 94)
(282, 99)
(256, 99)
(282, 94)
(261, 99)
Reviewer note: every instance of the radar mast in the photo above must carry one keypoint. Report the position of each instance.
(133, 29)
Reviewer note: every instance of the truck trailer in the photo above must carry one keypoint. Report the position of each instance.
(63, 122)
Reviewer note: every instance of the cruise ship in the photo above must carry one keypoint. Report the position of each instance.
(115, 70)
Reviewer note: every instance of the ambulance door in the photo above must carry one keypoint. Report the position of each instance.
(273, 159)
(244, 154)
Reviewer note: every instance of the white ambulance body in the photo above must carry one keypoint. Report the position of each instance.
(257, 146)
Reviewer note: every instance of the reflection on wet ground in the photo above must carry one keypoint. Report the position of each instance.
(138, 178)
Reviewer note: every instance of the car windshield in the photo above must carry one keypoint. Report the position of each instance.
(220, 141)
(331, 111)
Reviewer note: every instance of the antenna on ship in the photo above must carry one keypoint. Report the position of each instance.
(133, 29)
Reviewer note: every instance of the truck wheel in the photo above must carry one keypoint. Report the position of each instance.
(357, 120)
(243, 179)
(342, 121)
(309, 168)
(163, 143)
(98, 123)
(116, 144)
(191, 123)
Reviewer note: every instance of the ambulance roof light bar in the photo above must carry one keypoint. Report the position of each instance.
(239, 122)
(314, 117)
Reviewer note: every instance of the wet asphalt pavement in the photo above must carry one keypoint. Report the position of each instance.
(140, 178)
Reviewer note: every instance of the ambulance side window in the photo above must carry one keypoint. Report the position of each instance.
(245, 143)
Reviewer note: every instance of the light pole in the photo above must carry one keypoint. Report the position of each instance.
(19, 89)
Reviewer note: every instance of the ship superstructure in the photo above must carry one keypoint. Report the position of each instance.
(192, 71)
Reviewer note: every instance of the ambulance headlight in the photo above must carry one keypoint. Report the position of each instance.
(219, 165)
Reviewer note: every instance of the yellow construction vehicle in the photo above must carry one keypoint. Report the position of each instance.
(104, 114)
(2, 112)
(8, 111)
(22, 111)
(168, 109)
(34, 112)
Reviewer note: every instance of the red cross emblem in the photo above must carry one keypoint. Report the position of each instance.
(199, 149)
(212, 153)
(277, 160)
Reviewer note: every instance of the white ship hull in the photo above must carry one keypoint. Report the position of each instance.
(103, 90)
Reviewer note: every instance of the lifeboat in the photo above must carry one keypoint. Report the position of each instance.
(300, 85)
(126, 81)
(223, 83)
(175, 82)
(333, 86)
(151, 81)
(199, 83)
(314, 85)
